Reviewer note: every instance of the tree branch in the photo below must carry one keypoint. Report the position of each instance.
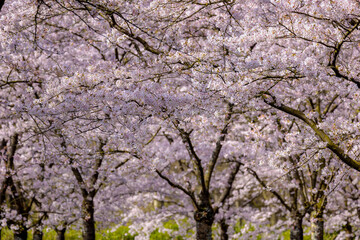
(332, 64)
(276, 194)
(175, 185)
(320, 133)
(328, 106)
(113, 24)
(298, 177)
(218, 146)
(80, 181)
(228, 188)
(94, 177)
(197, 161)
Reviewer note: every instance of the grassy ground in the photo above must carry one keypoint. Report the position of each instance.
(122, 233)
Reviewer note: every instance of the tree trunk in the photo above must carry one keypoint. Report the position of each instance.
(317, 226)
(349, 232)
(20, 234)
(60, 234)
(204, 218)
(223, 228)
(2, 2)
(203, 231)
(38, 235)
(88, 219)
(296, 230)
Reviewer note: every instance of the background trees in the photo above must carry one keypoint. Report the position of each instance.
(226, 112)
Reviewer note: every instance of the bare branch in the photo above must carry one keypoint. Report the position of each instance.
(153, 137)
(113, 24)
(175, 185)
(276, 194)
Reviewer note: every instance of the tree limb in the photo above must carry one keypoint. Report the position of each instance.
(218, 147)
(320, 133)
(276, 194)
(229, 186)
(81, 182)
(175, 185)
(332, 64)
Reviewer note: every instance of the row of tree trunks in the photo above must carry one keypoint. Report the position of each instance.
(38, 235)
(203, 227)
(204, 224)
(317, 227)
(204, 231)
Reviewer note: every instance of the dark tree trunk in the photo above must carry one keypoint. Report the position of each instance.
(203, 231)
(349, 232)
(204, 218)
(20, 235)
(88, 219)
(60, 234)
(223, 228)
(1, 5)
(38, 235)
(296, 230)
(317, 226)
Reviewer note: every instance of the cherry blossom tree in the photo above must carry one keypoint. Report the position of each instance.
(179, 101)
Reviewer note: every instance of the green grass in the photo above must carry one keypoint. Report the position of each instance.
(122, 233)
(170, 225)
(6, 234)
(327, 236)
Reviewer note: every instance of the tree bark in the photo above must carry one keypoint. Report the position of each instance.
(296, 230)
(203, 231)
(1, 5)
(223, 228)
(38, 235)
(349, 232)
(317, 226)
(204, 218)
(60, 234)
(20, 235)
(88, 219)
